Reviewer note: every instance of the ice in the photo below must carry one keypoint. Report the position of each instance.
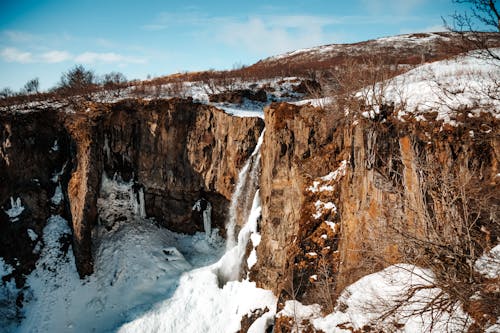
(58, 195)
(32, 235)
(207, 216)
(211, 299)
(251, 165)
(16, 209)
(55, 146)
(137, 264)
(5, 269)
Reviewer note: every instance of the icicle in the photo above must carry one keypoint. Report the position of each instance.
(207, 220)
(142, 206)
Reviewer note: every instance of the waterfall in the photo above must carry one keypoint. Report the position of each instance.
(245, 205)
(244, 190)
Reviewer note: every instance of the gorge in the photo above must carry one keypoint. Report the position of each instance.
(310, 199)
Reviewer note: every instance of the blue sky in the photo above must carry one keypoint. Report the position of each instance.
(45, 38)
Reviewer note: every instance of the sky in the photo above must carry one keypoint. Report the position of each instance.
(44, 38)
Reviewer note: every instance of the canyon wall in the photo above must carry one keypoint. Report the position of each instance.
(340, 192)
(175, 151)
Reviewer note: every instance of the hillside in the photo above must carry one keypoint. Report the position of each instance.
(342, 188)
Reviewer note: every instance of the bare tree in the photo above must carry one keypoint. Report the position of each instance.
(482, 16)
(6, 92)
(78, 79)
(32, 86)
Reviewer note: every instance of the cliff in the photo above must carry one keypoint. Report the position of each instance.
(176, 152)
(342, 196)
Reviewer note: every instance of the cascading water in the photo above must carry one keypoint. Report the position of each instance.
(214, 298)
(245, 206)
(243, 193)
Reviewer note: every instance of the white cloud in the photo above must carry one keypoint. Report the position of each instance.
(432, 28)
(392, 6)
(11, 54)
(109, 57)
(55, 56)
(275, 34)
(19, 36)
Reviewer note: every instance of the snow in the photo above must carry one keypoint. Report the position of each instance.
(299, 313)
(211, 299)
(16, 209)
(58, 195)
(321, 207)
(55, 146)
(365, 301)
(207, 216)
(489, 263)
(8, 292)
(5, 269)
(331, 225)
(331, 177)
(137, 265)
(463, 82)
(57, 174)
(252, 258)
(32, 235)
(146, 278)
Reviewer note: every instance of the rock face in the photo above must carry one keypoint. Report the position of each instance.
(176, 152)
(337, 192)
(34, 161)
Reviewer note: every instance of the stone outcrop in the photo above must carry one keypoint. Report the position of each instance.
(176, 151)
(385, 174)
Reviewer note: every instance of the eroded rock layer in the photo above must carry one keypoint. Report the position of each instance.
(340, 194)
(176, 152)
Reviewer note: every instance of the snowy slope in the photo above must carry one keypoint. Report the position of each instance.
(137, 264)
(370, 298)
(466, 82)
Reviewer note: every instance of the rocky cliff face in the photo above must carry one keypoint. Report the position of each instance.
(176, 152)
(339, 192)
(35, 154)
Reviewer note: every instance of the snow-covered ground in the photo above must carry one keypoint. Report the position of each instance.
(468, 81)
(372, 297)
(146, 279)
(137, 264)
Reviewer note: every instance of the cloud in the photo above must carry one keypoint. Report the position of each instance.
(11, 54)
(392, 6)
(432, 28)
(55, 56)
(275, 34)
(109, 57)
(19, 36)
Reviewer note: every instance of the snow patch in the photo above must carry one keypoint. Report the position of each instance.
(32, 235)
(58, 195)
(16, 209)
(489, 263)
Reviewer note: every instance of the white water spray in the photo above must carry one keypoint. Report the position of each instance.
(244, 177)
